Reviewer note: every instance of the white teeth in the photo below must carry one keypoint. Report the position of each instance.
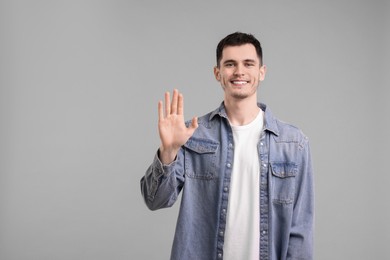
(239, 82)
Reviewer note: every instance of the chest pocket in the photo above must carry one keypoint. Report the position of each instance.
(283, 180)
(200, 158)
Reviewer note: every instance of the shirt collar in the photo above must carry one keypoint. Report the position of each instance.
(270, 123)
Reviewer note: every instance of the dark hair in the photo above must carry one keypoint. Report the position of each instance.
(238, 39)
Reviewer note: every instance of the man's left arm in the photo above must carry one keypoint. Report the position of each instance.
(301, 236)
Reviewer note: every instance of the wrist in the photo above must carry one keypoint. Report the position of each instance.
(167, 155)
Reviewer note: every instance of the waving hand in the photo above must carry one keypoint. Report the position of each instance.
(171, 126)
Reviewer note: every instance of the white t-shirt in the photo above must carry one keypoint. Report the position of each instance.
(242, 234)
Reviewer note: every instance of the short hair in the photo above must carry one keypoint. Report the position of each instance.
(238, 39)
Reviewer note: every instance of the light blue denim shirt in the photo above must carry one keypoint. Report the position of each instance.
(202, 172)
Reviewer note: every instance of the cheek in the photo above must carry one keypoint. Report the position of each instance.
(221, 77)
(225, 80)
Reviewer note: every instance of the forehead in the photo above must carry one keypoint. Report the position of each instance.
(239, 53)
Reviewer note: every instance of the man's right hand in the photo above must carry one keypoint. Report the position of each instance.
(171, 126)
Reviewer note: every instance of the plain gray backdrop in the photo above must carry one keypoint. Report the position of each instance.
(79, 86)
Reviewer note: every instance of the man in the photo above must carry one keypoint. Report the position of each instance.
(245, 177)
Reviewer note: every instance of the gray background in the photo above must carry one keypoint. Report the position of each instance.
(80, 82)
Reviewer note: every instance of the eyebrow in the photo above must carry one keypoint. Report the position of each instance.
(234, 61)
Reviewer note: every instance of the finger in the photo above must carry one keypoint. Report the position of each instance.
(167, 104)
(180, 106)
(194, 123)
(160, 110)
(174, 102)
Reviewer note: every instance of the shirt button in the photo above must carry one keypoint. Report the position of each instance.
(219, 255)
(225, 189)
(230, 145)
(221, 233)
(224, 211)
(265, 165)
(261, 144)
(229, 165)
(264, 232)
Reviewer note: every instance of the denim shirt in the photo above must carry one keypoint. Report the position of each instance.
(202, 172)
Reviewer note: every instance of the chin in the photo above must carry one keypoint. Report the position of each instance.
(240, 95)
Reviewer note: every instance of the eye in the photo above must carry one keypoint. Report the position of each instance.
(229, 65)
(249, 64)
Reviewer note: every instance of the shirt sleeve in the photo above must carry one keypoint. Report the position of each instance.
(161, 184)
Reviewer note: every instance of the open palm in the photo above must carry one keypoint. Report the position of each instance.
(171, 126)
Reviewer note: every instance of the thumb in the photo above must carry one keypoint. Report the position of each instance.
(193, 126)
(194, 123)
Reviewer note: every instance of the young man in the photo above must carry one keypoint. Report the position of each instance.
(246, 177)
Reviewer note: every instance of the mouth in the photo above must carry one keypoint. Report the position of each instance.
(239, 82)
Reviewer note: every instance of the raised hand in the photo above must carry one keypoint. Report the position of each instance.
(171, 126)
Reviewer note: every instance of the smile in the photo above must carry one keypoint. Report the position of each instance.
(239, 82)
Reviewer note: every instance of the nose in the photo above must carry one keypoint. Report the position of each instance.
(239, 71)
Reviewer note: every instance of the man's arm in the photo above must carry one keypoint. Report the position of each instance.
(164, 178)
(301, 236)
(162, 183)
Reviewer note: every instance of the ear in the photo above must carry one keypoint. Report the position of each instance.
(262, 72)
(217, 73)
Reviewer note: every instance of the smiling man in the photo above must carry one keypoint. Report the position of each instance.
(245, 177)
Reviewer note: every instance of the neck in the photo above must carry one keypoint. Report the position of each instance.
(241, 112)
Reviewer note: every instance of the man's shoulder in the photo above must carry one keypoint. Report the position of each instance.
(289, 133)
(286, 127)
(283, 131)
